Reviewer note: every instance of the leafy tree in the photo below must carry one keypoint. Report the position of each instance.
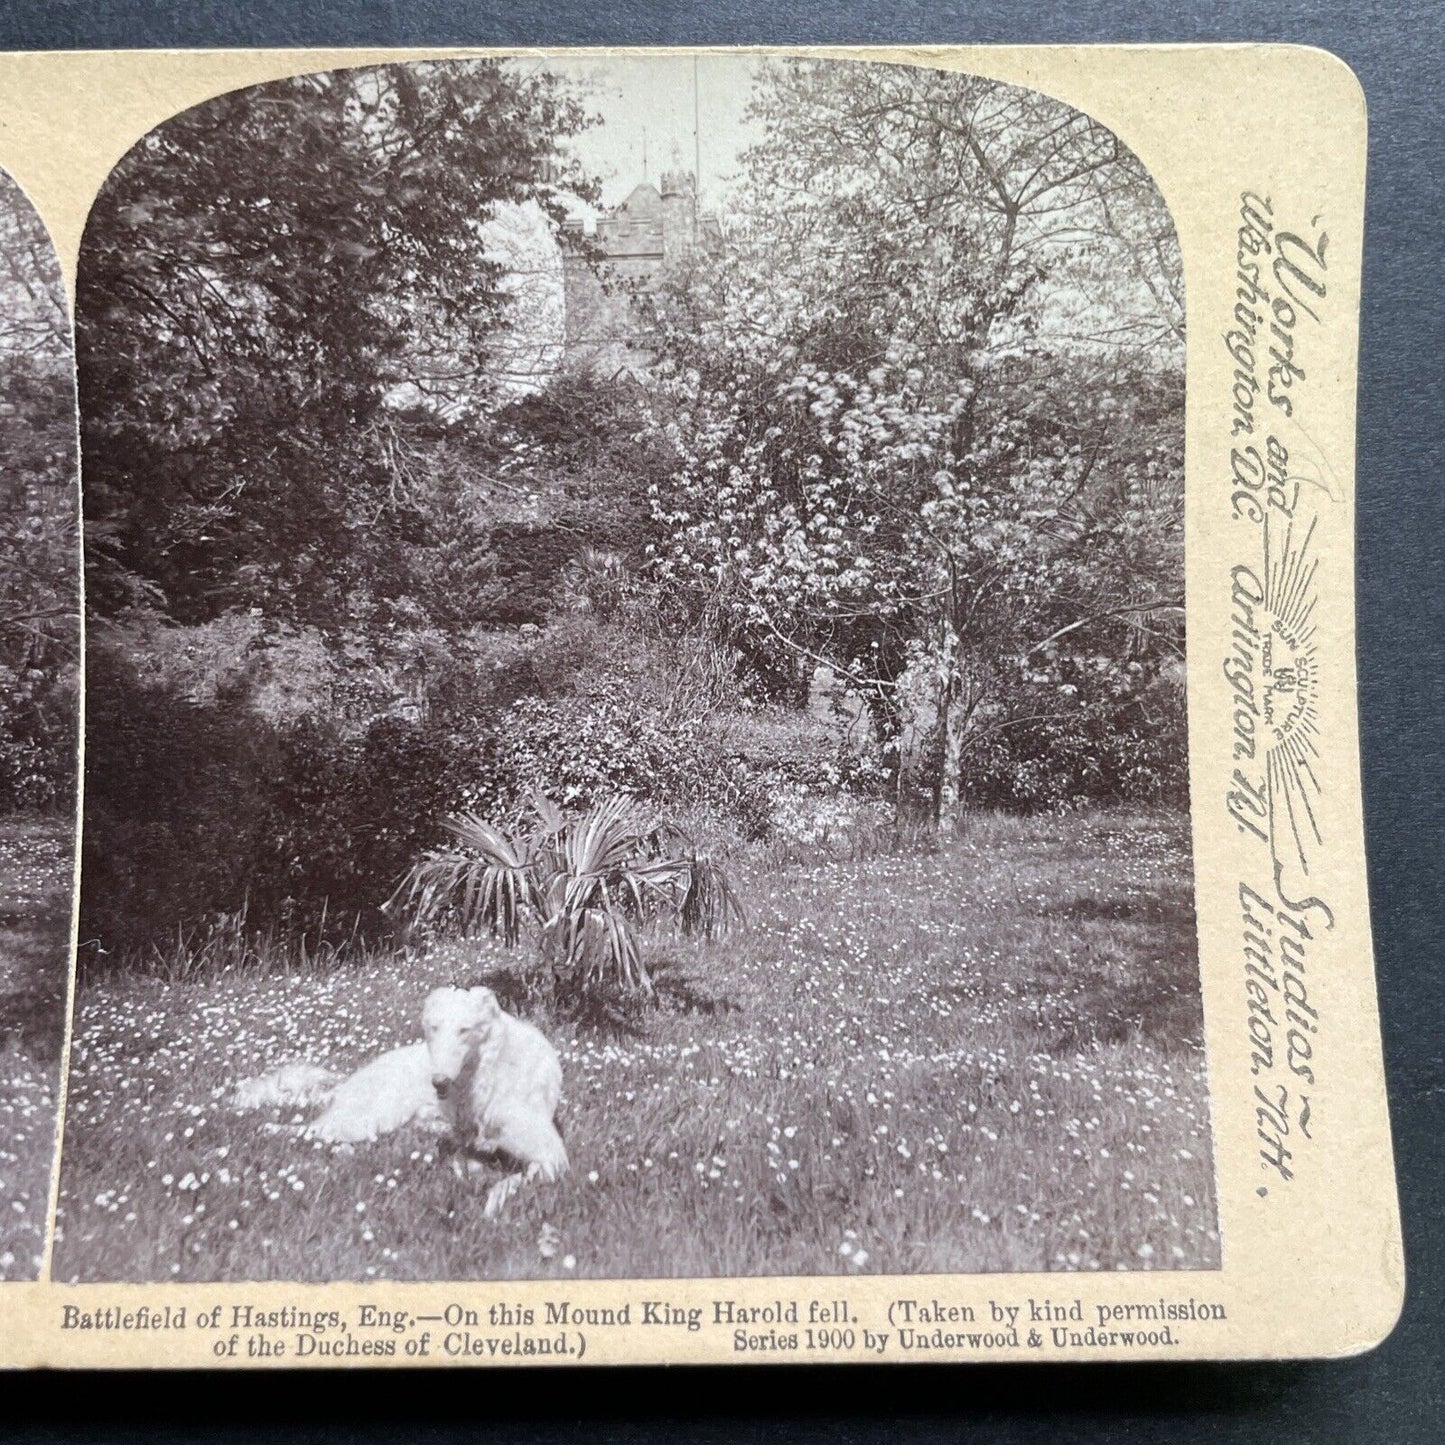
(281, 293)
(928, 418)
(258, 277)
(575, 457)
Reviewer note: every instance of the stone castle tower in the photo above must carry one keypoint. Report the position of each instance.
(628, 254)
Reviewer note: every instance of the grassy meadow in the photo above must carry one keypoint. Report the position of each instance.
(35, 878)
(984, 1056)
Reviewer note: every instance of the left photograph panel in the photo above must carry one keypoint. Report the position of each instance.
(39, 716)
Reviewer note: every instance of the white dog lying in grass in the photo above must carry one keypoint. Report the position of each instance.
(499, 1081)
(491, 1081)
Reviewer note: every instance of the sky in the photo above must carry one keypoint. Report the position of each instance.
(640, 100)
(648, 100)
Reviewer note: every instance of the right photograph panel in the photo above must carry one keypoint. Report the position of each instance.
(635, 685)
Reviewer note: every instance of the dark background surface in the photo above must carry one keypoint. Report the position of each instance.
(1396, 1393)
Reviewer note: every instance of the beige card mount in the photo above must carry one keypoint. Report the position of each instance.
(720, 709)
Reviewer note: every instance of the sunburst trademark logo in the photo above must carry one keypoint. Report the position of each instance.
(1289, 709)
(1288, 666)
(1288, 684)
(1273, 671)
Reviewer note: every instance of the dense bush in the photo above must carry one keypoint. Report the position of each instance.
(210, 807)
(1132, 757)
(358, 809)
(203, 812)
(37, 740)
(177, 809)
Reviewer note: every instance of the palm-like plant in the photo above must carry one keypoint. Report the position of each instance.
(588, 885)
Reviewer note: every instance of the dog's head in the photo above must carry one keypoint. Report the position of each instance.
(455, 1021)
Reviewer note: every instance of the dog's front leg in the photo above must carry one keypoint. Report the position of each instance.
(499, 1194)
(504, 1189)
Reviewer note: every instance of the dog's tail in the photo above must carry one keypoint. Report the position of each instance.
(305, 1084)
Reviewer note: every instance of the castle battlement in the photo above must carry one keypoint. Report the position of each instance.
(629, 249)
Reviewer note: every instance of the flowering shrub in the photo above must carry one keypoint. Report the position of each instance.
(914, 460)
(580, 750)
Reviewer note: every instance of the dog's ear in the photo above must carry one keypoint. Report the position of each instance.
(486, 1001)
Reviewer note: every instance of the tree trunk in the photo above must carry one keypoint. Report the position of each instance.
(953, 718)
(951, 765)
